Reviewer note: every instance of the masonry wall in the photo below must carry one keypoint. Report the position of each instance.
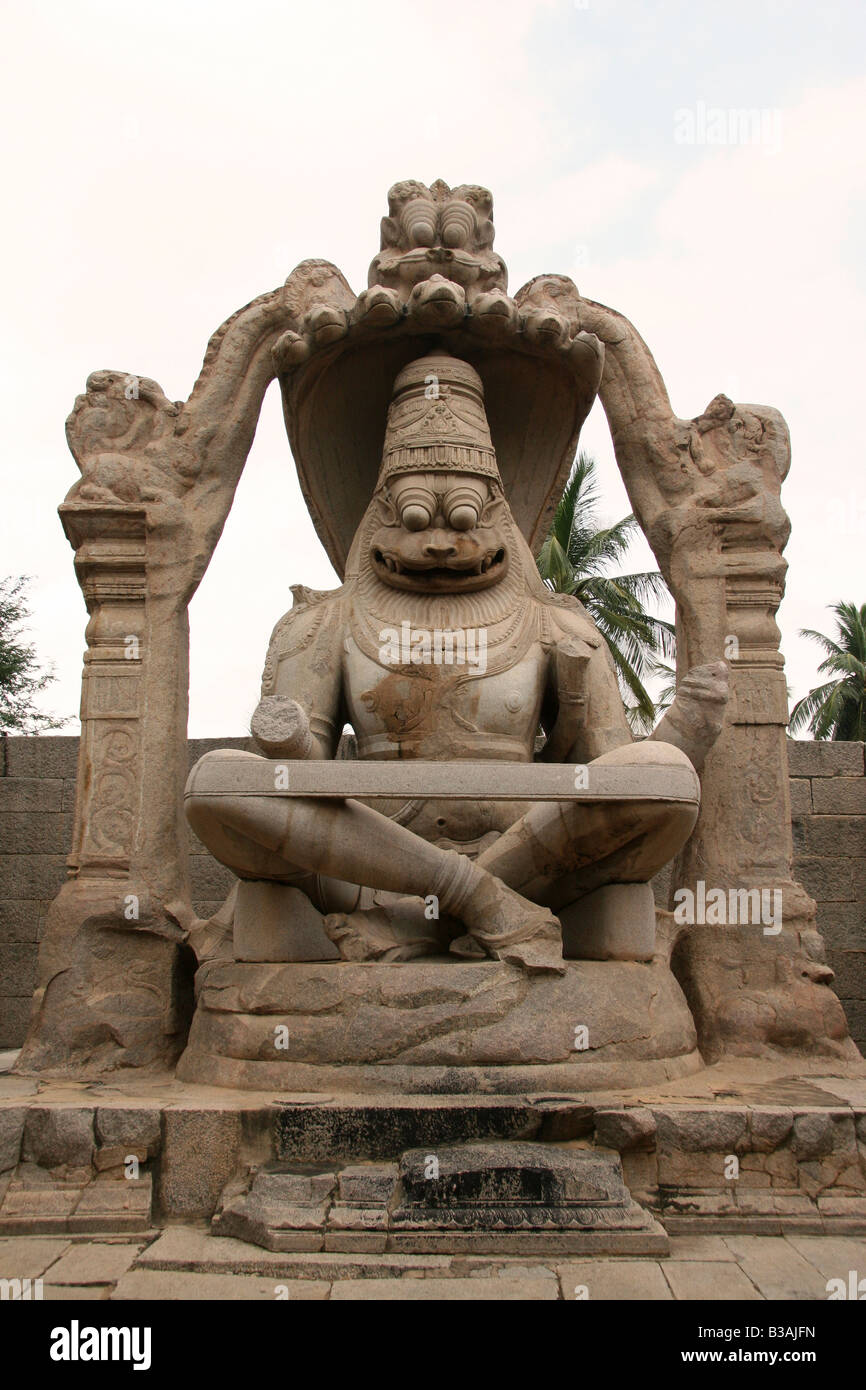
(37, 789)
(37, 796)
(828, 814)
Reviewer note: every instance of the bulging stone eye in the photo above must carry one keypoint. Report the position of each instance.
(462, 508)
(419, 220)
(463, 517)
(415, 517)
(458, 224)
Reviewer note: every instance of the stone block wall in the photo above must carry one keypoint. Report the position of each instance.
(828, 813)
(37, 796)
(37, 788)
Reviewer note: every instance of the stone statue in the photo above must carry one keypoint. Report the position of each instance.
(444, 645)
(464, 905)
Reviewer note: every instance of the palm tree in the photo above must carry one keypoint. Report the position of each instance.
(574, 559)
(837, 710)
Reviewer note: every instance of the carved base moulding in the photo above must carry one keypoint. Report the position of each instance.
(427, 1026)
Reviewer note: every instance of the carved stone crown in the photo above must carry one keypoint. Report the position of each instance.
(437, 421)
(437, 286)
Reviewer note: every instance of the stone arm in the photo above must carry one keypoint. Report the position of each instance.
(583, 712)
(300, 711)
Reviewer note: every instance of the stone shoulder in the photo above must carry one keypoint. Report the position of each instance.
(316, 615)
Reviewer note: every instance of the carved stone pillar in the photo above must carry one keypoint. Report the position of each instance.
(111, 978)
(110, 563)
(114, 985)
(707, 493)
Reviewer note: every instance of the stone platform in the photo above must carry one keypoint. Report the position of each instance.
(185, 1262)
(506, 1197)
(438, 1026)
(742, 1147)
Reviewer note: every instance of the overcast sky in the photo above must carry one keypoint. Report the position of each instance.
(165, 163)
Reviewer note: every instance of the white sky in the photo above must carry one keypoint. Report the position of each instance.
(165, 163)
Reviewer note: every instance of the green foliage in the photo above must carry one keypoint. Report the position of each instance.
(575, 559)
(837, 709)
(21, 678)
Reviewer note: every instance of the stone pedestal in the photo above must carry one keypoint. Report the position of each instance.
(617, 922)
(438, 1025)
(494, 1198)
(273, 922)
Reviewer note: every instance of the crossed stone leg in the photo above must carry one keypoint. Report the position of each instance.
(506, 899)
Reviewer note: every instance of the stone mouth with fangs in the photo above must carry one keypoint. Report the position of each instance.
(470, 568)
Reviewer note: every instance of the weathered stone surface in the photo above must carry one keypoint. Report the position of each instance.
(51, 756)
(769, 1128)
(35, 832)
(186, 1247)
(368, 1184)
(719, 1130)
(430, 1014)
(273, 1225)
(108, 1205)
(625, 1129)
(776, 1269)
(835, 834)
(12, 1119)
(382, 1128)
(18, 967)
(839, 796)
(30, 794)
(38, 1210)
(712, 1279)
(782, 1000)
(617, 922)
(201, 1150)
(814, 1135)
(20, 920)
(31, 876)
(281, 1210)
(444, 1290)
(124, 1125)
(146, 1285)
(829, 1254)
(29, 1258)
(511, 1174)
(623, 1281)
(827, 879)
(273, 922)
(825, 759)
(843, 925)
(118, 1156)
(701, 1248)
(850, 970)
(16, 1014)
(357, 1218)
(298, 1188)
(58, 1136)
(92, 1263)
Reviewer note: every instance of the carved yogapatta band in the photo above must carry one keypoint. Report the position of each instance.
(231, 776)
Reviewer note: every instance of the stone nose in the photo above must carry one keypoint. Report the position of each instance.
(439, 547)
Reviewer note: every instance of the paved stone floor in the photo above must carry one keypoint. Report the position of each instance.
(186, 1262)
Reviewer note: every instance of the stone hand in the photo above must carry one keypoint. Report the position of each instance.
(281, 728)
(695, 718)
